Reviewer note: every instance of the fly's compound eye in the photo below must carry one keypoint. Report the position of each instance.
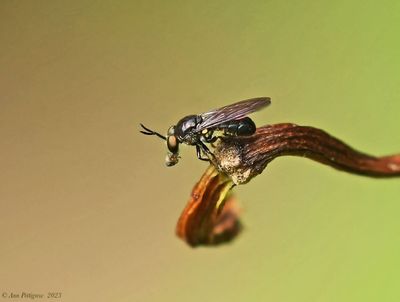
(172, 141)
(172, 144)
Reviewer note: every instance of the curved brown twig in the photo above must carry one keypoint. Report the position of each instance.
(244, 157)
(211, 215)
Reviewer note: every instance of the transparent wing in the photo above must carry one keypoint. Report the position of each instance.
(232, 112)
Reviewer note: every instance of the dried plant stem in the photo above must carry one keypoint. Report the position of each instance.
(242, 158)
(212, 217)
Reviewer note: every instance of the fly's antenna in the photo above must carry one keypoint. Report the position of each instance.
(151, 132)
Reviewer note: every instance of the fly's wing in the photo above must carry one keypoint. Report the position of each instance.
(232, 112)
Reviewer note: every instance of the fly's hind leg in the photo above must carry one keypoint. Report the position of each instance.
(208, 136)
(211, 139)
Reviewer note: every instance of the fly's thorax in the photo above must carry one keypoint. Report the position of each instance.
(186, 129)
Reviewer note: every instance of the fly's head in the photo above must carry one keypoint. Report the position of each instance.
(172, 144)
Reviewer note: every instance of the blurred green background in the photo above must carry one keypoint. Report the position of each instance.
(87, 206)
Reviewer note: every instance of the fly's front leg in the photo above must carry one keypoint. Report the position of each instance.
(207, 151)
(199, 155)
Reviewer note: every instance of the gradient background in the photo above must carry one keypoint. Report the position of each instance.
(87, 206)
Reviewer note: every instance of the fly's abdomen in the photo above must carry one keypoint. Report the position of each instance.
(242, 127)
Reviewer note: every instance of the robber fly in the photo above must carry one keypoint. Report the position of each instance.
(197, 130)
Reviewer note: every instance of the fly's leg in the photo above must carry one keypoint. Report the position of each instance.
(207, 151)
(211, 139)
(199, 155)
(207, 135)
(202, 149)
